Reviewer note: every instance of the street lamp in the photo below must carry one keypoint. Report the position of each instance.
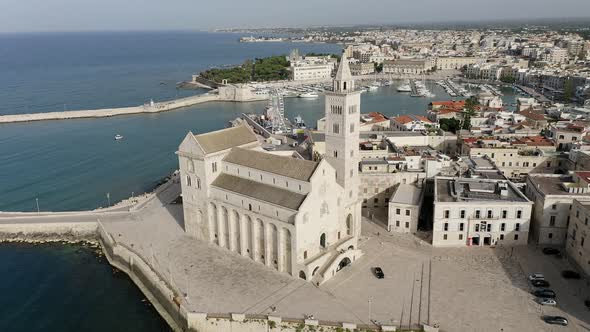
(369, 301)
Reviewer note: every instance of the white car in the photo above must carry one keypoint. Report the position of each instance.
(536, 276)
(550, 302)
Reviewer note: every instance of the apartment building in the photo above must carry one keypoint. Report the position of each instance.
(577, 245)
(554, 195)
(404, 209)
(479, 212)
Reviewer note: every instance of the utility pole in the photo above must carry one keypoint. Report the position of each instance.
(187, 284)
(412, 301)
(369, 301)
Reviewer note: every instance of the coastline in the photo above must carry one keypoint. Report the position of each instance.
(165, 292)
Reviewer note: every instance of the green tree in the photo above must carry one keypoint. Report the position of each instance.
(508, 79)
(378, 67)
(470, 111)
(451, 125)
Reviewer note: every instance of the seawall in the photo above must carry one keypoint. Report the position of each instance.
(109, 112)
(48, 232)
(157, 287)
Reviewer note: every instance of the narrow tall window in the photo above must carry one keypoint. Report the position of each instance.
(336, 128)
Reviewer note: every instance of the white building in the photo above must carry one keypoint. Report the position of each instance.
(404, 209)
(296, 216)
(302, 71)
(577, 245)
(479, 212)
(554, 195)
(412, 123)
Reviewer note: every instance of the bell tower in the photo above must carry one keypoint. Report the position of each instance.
(342, 109)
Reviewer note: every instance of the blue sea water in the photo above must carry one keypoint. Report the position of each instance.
(74, 164)
(68, 288)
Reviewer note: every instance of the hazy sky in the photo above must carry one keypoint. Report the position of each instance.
(78, 15)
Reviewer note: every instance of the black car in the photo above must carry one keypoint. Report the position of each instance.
(540, 283)
(545, 293)
(569, 274)
(550, 251)
(557, 320)
(378, 272)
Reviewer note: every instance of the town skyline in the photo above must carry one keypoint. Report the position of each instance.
(68, 15)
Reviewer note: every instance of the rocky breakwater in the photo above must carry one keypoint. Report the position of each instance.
(109, 112)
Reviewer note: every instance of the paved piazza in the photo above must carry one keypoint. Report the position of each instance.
(468, 289)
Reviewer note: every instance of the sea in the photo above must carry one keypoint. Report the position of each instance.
(77, 165)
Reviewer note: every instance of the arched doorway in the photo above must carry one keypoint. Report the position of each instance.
(349, 224)
(287, 251)
(475, 240)
(213, 229)
(261, 232)
(225, 226)
(323, 240)
(343, 263)
(274, 252)
(302, 275)
(237, 232)
(315, 270)
(249, 236)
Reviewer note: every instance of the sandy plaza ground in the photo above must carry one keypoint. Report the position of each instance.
(466, 289)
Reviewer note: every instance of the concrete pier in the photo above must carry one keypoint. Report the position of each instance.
(108, 112)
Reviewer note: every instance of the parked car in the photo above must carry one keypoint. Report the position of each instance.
(378, 272)
(550, 302)
(536, 276)
(550, 251)
(557, 320)
(540, 283)
(569, 274)
(545, 293)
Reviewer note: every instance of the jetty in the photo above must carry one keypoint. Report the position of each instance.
(109, 112)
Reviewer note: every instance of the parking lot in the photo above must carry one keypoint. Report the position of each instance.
(464, 289)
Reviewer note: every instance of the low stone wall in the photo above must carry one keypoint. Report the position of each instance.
(48, 232)
(172, 306)
(166, 297)
(153, 285)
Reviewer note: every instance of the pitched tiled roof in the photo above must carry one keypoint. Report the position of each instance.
(259, 191)
(403, 119)
(285, 166)
(225, 139)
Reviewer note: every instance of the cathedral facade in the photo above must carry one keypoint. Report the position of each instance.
(297, 216)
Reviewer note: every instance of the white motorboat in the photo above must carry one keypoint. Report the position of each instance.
(308, 95)
(118, 137)
(373, 87)
(404, 88)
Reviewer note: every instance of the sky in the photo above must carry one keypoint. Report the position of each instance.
(101, 15)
